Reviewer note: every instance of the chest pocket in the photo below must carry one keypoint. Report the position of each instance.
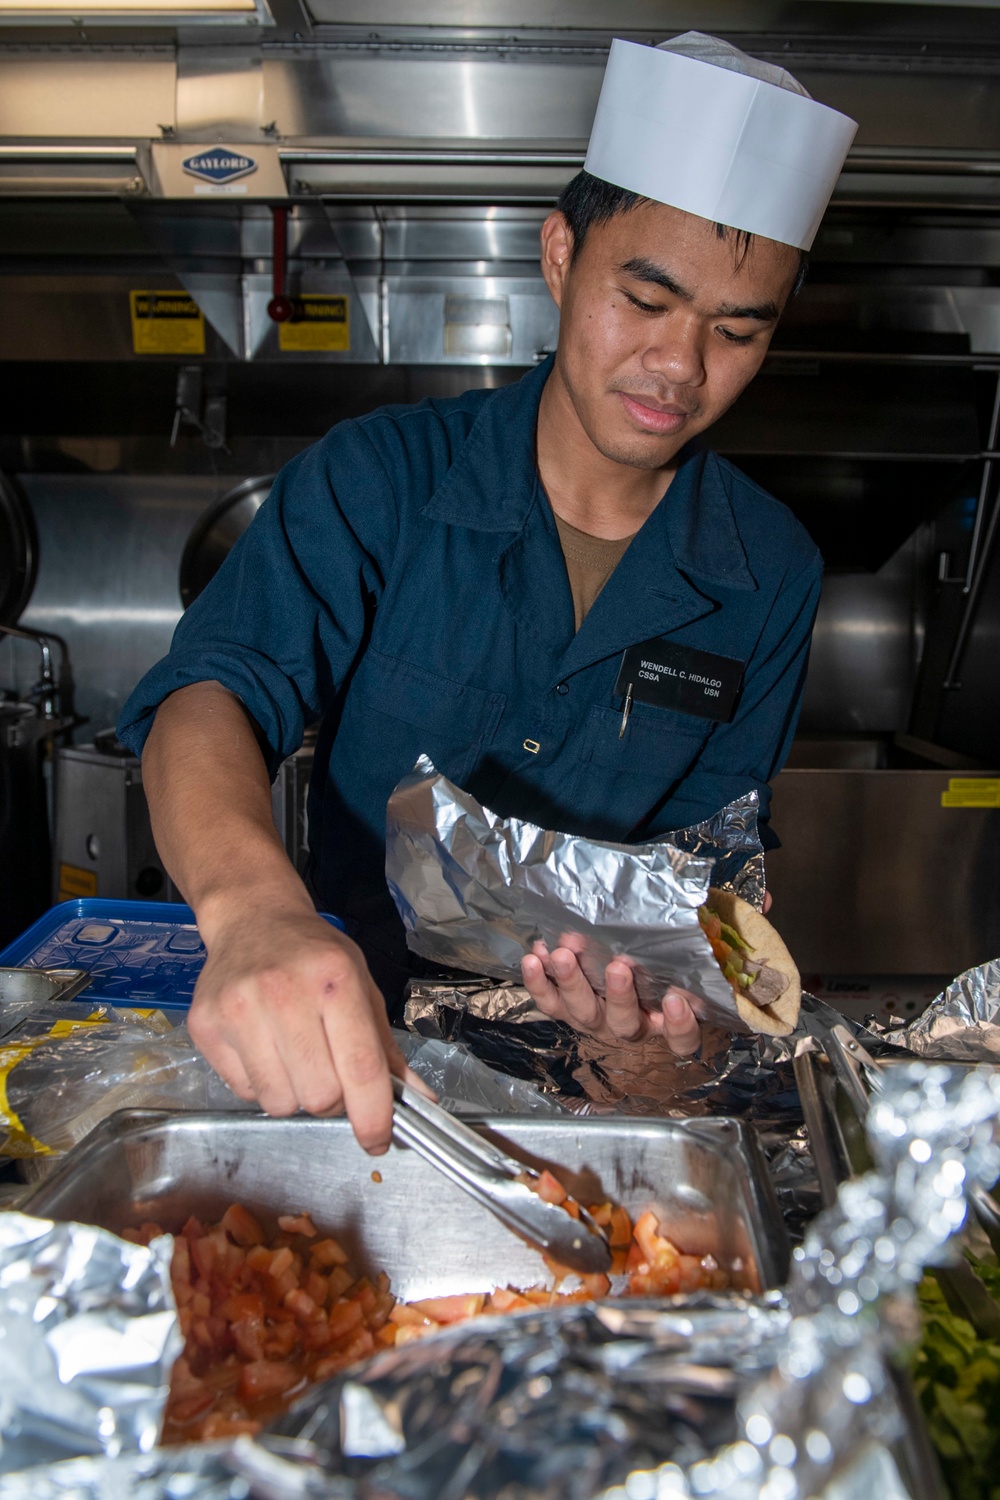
(658, 743)
(451, 722)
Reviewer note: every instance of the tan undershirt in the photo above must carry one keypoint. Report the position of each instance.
(590, 562)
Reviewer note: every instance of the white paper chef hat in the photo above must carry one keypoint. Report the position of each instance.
(700, 125)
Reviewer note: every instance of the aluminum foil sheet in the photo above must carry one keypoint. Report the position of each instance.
(962, 1024)
(466, 1086)
(560, 1404)
(476, 891)
(748, 1077)
(780, 1397)
(88, 1336)
(776, 1398)
(268, 1470)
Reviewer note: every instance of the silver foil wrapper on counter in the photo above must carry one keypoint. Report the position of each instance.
(476, 891)
(962, 1024)
(88, 1337)
(749, 1077)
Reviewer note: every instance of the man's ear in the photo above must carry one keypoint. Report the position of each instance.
(557, 254)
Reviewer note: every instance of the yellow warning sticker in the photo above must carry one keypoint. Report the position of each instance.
(166, 323)
(321, 324)
(972, 791)
(75, 882)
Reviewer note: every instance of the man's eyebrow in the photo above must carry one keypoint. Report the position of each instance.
(766, 312)
(647, 270)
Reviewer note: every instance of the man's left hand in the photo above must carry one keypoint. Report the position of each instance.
(559, 987)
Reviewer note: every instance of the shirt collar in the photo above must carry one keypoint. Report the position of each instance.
(492, 486)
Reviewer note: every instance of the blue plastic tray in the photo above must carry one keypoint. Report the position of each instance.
(139, 953)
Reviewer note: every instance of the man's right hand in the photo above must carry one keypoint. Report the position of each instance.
(287, 1013)
(285, 1009)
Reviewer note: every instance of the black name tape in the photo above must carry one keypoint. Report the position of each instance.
(678, 677)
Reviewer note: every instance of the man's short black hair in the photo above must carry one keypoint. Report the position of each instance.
(588, 200)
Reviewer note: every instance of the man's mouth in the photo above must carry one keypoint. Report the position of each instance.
(653, 416)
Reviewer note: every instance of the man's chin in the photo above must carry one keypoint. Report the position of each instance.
(637, 451)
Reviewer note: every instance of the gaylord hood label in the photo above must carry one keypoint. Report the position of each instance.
(219, 165)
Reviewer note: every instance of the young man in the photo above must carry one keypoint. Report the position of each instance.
(462, 578)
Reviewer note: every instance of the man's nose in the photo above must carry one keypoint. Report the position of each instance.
(677, 352)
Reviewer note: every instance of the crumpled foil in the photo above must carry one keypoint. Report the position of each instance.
(561, 1403)
(466, 1086)
(962, 1024)
(748, 1077)
(781, 1397)
(475, 892)
(88, 1336)
(267, 1470)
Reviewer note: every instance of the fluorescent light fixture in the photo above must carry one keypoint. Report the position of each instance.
(135, 12)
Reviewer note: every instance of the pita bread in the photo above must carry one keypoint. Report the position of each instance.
(781, 1016)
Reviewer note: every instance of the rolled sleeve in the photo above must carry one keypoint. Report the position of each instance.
(282, 622)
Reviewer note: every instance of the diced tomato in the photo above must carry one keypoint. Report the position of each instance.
(450, 1309)
(303, 1306)
(720, 948)
(549, 1188)
(259, 1258)
(242, 1305)
(344, 1317)
(241, 1226)
(368, 1298)
(328, 1253)
(504, 1300)
(281, 1261)
(649, 1240)
(596, 1286)
(619, 1228)
(261, 1378)
(248, 1335)
(340, 1280)
(691, 1275)
(280, 1341)
(404, 1316)
(361, 1346)
(203, 1253)
(297, 1224)
(317, 1286)
(317, 1335)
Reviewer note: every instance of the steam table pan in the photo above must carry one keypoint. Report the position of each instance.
(706, 1180)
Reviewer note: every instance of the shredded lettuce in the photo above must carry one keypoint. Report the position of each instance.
(957, 1377)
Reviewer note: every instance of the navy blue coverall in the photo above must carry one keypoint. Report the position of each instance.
(404, 586)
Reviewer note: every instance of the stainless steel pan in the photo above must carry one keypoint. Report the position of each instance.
(706, 1179)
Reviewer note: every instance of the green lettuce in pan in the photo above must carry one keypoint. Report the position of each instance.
(956, 1371)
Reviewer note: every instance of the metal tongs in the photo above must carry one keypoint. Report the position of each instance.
(497, 1181)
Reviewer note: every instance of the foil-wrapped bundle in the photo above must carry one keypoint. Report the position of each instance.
(962, 1024)
(476, 891)
(89, 1337)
